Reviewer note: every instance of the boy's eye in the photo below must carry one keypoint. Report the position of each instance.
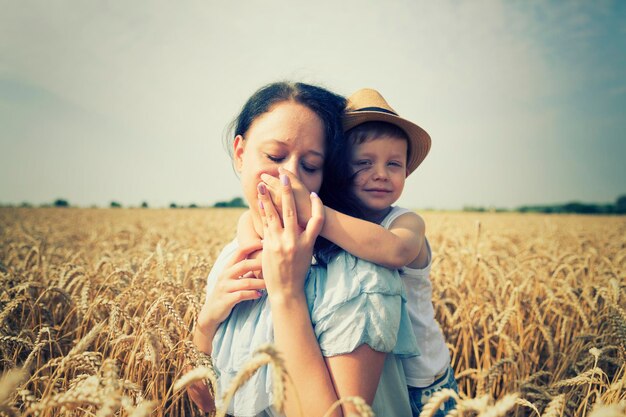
(363, 162)
(395, 164)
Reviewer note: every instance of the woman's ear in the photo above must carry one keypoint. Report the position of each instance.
(238, 148)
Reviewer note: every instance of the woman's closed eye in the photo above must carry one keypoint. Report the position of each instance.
(274, 158)
(309, 168)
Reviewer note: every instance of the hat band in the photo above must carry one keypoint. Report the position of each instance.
(380, 109)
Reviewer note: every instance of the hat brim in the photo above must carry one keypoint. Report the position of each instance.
(419, 140)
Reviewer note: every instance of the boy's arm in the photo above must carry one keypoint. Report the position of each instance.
(395, 247)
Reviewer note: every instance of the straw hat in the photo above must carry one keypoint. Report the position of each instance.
(367, 105)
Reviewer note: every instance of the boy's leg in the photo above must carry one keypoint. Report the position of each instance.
(419, 396)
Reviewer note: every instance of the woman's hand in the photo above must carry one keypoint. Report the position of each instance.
(287, 248)
(300, 192)
(231, 288)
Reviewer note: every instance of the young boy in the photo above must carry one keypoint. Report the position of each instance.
(385, 150)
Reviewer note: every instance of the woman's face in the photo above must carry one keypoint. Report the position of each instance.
(291, 136)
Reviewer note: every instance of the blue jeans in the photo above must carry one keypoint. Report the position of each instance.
(419, 396)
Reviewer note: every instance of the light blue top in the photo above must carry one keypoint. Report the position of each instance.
(351, 302)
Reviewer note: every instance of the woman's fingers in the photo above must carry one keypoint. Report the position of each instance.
(301, 196)
(274, 188)
(315, 223)
(243, 284)
(290, 216)
(239, 296)
(269, 216)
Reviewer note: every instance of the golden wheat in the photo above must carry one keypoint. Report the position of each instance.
(97, 307)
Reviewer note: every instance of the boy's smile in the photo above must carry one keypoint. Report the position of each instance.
(379, 166)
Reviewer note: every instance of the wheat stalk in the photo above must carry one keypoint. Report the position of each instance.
(263, 355)
(438, 398)
(555, 407)
(362, 408)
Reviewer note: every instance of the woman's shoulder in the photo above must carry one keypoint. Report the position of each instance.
(367, 276)
(355, 302)
(346, 278)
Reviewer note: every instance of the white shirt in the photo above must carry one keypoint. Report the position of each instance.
(435, 358)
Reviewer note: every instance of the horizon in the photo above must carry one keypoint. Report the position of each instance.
(194, 205)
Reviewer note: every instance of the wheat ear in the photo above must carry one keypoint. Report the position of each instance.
(361, 406)
(438, 398)
(555, 407)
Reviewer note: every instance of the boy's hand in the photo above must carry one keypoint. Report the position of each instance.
(255, 274)
(301, 195)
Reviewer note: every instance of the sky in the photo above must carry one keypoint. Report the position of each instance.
(105, 101)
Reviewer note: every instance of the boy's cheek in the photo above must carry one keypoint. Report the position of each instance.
(359, 180)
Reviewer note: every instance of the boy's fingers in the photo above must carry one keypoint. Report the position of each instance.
(245, 266)
(244, 251)
(295, 182)
(315, 223)
(272, 182)
(290, 216)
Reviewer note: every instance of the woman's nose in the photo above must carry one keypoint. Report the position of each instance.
(291, 165)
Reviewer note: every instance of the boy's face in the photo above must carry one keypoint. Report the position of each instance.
(380, 171)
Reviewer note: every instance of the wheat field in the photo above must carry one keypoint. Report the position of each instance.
(97, 306)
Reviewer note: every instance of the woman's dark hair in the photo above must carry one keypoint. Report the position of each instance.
(335, 191)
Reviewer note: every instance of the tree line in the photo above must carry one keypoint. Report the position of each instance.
(62, 202)
(575, 207)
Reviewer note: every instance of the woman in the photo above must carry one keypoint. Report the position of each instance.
(334, 331)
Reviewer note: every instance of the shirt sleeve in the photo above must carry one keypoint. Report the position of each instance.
(356, 302)
(422, 272)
